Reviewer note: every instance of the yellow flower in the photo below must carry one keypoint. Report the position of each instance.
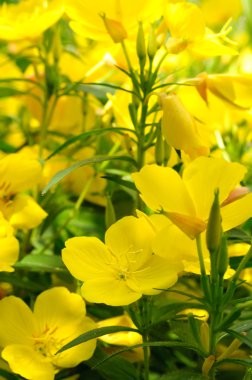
(30, 340)
(187, 201)
(186, 24)
(29, 18)
(9, 246)
(120, 271)
(18, 174)
(87, 20)
(234, 89)
(181, 130)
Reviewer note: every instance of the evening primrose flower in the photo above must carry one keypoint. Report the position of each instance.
(30, 340)
(9, 246)
(181, 130)
(18, 174)
(187, 200)
(234, 89)
(120, 271)
(121, 16)
(29, 18)
(186, 24)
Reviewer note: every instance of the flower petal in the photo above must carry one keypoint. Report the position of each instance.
(27, 362)
(158, 273)
(132, 237)
(75, 355)
(86, 257)
(17, 323)
(204, 175)
(24, 212)
(237, 212)
(59, 310)
(110, 291)
(163, 188)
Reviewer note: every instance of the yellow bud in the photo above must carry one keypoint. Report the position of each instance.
(115, 29)
(152, 44)
(140, 46)
(214, 230)
(207, 365)
(204, 335)
(179, 128)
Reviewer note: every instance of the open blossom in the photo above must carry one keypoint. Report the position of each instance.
(187, 200)
(18, 174)
(30, 340)
(120, 271)
(9, 246)
(121, 16)
(29, 18)
(186, 24)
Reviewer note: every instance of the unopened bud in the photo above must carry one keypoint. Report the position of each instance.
(114, 28)
(207, 365)
(214, 230)
(152, 44)
(159, 148)
(204, 335)
(167, 152)
(140, 46)
(222, 259)
(110, 217)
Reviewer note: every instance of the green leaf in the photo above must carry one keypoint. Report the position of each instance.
(93, 334)
(86, 135)
(118, 179)
(244, 362)
(63, 173)
(41, 263)
(170, 310)
(151, 344)
(240, 337)
(236, 235)
(10, 91)
(7, 375)
(23, 283)
(118, 368)
(180, 374)
(7, 148)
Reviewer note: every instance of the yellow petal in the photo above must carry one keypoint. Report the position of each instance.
(86, 257)
(157, 273)
(9, 246)
(59, 310)
(204, 175)
(163, 188)
(132, 236)
(74, 356)
(17, 323)
(184, 20)
(27, 362)
(18, 173)
(24, 212)
(110, 291)
(237, 212)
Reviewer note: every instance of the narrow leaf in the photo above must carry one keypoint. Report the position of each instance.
(63, 173)
(41, 263)
(93, 334)
(240, 337)
(85, 135)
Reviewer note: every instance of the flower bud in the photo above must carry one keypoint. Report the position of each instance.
(159, 148)
(222, 259)
(152, 44)
(214, 230)
(179, 128)
(110, 217)
(204, 335)
(115, 29)
(140, 46)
